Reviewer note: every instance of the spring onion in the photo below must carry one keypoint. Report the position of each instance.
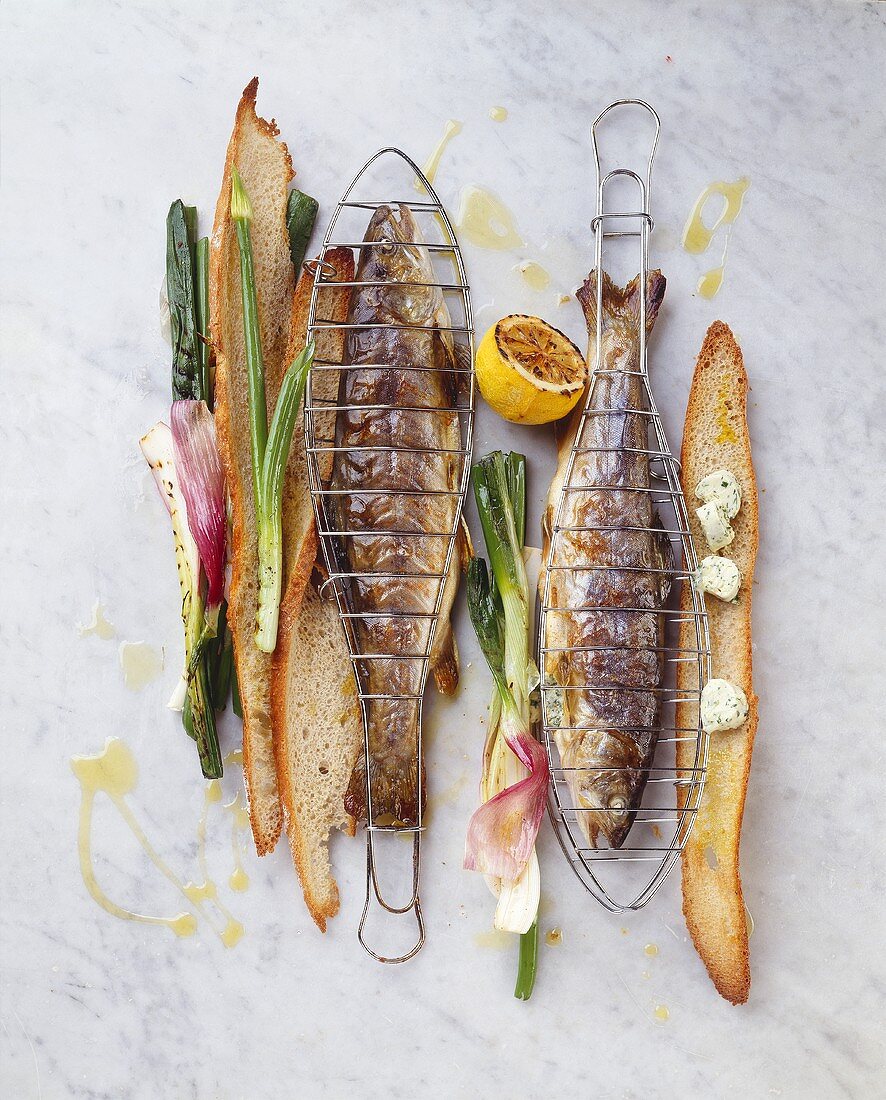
(269, 447)
(201, 302)
(270, 500)
(301, 213)
(515, 771)
(528, 963)
(181, 226)
(157, 447)
(502, 832)
(203, 487)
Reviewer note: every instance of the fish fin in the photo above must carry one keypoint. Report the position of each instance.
(445, 663)
(666, 560)
(621, 305)
(444, 655)
(464, 546)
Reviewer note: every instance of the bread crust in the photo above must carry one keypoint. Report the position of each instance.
(716, 435)
(226, 314)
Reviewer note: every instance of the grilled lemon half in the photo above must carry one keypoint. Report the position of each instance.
(528, 371)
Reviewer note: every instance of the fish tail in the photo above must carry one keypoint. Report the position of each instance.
(621, 305)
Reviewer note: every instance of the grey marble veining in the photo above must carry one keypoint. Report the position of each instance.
(110, 110)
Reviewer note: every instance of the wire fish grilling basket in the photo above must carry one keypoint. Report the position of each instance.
(390, 171)
(626, 877)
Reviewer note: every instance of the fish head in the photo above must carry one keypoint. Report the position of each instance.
(397, 257)
(606, 783)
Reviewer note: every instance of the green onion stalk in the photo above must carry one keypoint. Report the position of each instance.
(269, 446)
(499, 610)
(187, 288)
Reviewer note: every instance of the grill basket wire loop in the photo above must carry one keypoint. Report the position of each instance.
(321, 445)
(672, 796)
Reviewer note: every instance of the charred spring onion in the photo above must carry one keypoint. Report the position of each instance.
(301, 213)
(157, 447)
(502, 832)
(198, 531)
(269, 448)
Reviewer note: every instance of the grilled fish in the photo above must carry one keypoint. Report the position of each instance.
(611, 708)
(391, 455)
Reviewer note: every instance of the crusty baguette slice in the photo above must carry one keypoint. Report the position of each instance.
(320, 734)
(316, 717)
(265, 165)
(716, 436)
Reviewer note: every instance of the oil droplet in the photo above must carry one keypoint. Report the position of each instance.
(656, 832)
(662, 1013)
(113, 770)
(141, 664)
(651, 949)
(710, 282)
(554, 938)
(235, 756)
(497, 941)
(498, 114)
(100, 626)
(563, 299)
(624, 931)
(239, 880)
(534, 274)
(452, 127)
(485, 220)
(213, 791)
(646, 974)
(184, 925)
(232, 934)
(696, 235)
(205, 891)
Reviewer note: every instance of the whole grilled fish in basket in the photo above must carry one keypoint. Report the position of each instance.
(398, 451)
(610, 577)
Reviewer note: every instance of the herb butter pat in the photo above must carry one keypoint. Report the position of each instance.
(719, 576)
(715, 524)
(721, 487)
(723, 706)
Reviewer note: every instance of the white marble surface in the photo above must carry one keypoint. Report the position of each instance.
(110, 110)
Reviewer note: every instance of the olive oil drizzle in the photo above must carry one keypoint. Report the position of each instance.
(450, 130)
(485, 220)
(114, 772)
(697, 236)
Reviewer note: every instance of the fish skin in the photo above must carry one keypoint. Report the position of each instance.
(635, 664)
(393, 725)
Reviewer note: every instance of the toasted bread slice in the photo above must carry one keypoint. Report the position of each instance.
(318, 729)
(265, 165)
(716, 436)
(319, 734)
